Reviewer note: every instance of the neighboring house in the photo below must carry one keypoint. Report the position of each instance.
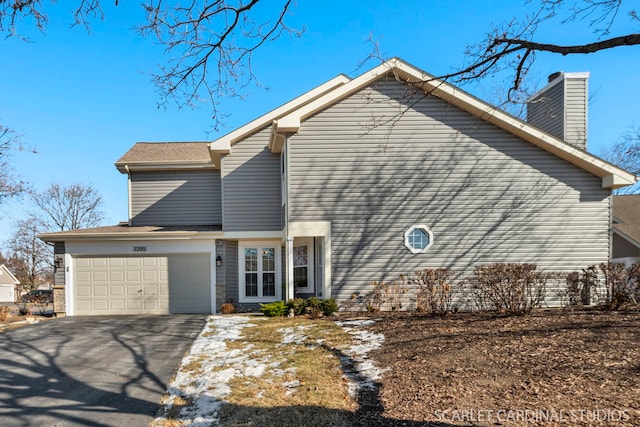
(357, 180)
(626, 228)
(8, 284)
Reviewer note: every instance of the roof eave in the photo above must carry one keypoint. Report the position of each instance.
(136, 235)
(126, 167)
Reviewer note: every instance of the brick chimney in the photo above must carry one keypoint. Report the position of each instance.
(560, 108)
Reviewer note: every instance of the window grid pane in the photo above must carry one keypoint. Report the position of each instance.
(418, 239)
(269, 284)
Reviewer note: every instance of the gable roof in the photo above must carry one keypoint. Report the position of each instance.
(626, 216)
(6, 277)
(290, 121)
(156, 155)
(223, 145)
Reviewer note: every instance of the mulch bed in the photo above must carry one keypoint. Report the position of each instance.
(554, 367)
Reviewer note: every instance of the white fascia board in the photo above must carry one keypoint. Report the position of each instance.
(151, 166)
(268, 118)
(617, 181)
(217, 149)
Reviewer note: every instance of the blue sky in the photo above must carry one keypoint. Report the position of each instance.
(82, 100)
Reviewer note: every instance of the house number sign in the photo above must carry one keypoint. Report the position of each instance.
(139, 249)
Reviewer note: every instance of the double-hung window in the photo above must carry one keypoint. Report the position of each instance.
(259, 272)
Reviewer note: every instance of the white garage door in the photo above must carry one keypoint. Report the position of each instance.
(6, 293)
(142, 285)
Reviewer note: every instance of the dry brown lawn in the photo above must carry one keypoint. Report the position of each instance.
(554, 367)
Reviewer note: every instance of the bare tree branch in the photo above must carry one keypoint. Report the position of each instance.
(210, 47)
(10, 183)
(512, 46)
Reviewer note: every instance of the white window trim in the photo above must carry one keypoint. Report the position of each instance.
(241, 277)
(408, 233)
(310, 264)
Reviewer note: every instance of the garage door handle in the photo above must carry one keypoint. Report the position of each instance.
(140, 291)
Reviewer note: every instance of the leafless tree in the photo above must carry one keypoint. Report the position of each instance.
(10, 184)
(68, 208)
(626, 154)
(31, 258)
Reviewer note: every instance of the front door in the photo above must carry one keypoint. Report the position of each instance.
(303, 261)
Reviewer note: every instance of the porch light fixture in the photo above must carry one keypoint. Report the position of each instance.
(218, 261)
(58, 262)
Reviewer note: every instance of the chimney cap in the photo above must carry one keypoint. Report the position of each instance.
(554, 76)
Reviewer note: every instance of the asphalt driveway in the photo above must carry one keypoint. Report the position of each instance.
(91, 371)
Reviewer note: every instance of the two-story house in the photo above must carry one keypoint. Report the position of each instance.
(357, 180)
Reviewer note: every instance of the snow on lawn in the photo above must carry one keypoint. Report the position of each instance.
(359, 370)
(201, 384)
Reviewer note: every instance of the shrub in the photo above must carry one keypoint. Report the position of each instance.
(329, 307)
(274, 309)
(385, 295)
(227, 308)
(25, 309)
(4, 313)
(434, 290)
(509, 287)
(620, 285)
(298, 306)
(578, 289)
(609, 285)
(314, 307)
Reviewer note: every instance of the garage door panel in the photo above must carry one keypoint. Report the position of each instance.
(99, 263)
(133, 290)
(100, 291)
(83, 276)
(116, 276)
(150, 276)
(116, 290)
(133, 276)
(116, 262)
(117, 305)
(99, 276)
(100, 305)
(83, 291)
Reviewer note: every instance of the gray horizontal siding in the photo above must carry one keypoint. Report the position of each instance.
(251, 186)
(622, 248)
(176, 198)
(546, 111)
(231, 271)
(486, 195)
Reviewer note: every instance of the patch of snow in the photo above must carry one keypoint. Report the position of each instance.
(293, 335)
(360, 371)
(208, 386)
(201, 384)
